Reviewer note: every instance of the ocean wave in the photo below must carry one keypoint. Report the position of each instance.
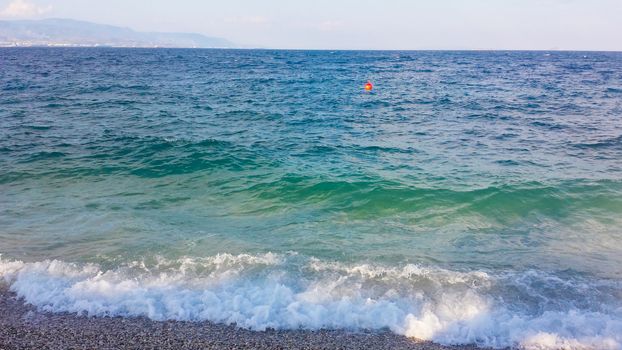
(612, 142)
(148, 157)
(371, 197)
(528, 309)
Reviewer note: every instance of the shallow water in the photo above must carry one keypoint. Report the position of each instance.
(472, 197)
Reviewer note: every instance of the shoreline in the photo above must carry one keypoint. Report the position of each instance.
(24, 327)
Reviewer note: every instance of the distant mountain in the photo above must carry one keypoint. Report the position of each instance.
(67, 32)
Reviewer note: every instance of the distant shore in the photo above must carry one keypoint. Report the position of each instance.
(23, 327)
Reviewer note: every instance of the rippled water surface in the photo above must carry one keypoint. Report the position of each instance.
(472, 197)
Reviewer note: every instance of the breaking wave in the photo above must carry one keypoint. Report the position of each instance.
(529, 309)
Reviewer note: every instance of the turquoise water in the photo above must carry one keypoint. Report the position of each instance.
(472, 197)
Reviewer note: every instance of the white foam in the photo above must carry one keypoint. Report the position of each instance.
(288, 292)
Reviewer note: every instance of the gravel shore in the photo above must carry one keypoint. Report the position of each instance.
(23, 327)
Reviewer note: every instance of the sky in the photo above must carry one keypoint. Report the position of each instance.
(357, 24)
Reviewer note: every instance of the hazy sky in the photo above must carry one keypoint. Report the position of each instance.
(358, 24)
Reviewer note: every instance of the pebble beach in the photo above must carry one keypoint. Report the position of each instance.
(24, 327)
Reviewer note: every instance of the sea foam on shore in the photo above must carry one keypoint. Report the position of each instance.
(531, 309)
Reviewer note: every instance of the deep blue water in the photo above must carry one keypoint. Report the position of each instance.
(471, 197)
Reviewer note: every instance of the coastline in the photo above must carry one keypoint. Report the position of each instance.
(23, 327)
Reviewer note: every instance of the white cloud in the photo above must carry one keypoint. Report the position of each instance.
(24, 8)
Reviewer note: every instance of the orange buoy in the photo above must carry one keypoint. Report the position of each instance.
(369, 86)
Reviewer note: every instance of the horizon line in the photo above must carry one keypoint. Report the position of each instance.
(295, 49)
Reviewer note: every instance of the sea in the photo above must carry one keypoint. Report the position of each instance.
(471, 197)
